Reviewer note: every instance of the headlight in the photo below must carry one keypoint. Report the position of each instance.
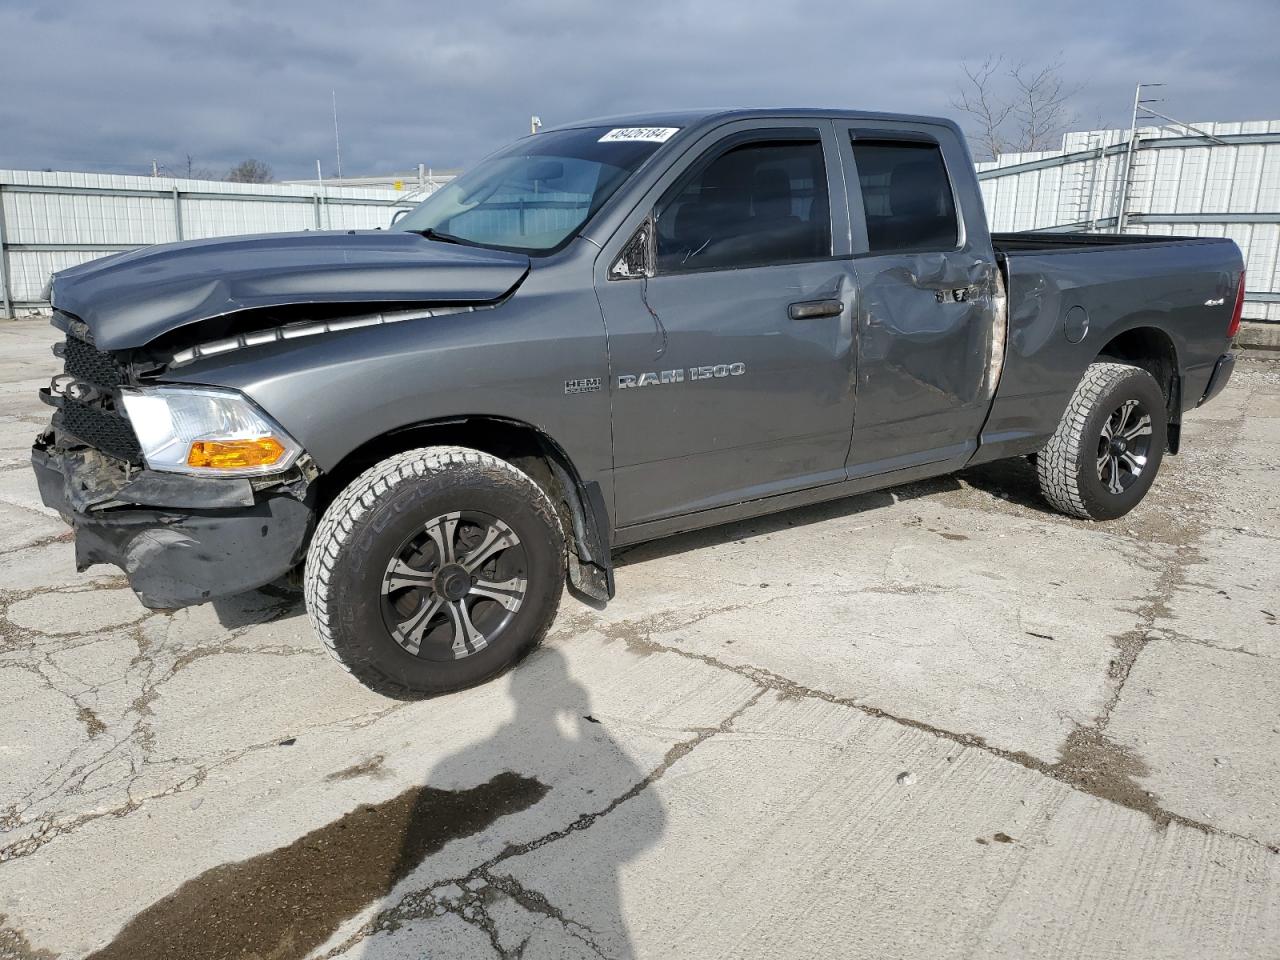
(201, 430)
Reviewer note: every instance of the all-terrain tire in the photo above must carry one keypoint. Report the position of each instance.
(1071, 469)
(350, 585)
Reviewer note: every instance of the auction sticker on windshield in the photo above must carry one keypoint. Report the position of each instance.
(647, 134)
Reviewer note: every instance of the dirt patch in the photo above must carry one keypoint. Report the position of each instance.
(1103, 768)
(365, 768)
(14, 946)
(285, 903)
(92, 722)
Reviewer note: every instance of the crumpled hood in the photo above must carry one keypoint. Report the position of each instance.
(129, 299)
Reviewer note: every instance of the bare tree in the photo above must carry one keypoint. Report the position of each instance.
(978, 98)
(250, 171)
(1041, 107)
(1014, 107)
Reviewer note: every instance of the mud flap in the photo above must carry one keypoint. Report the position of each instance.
(590, 582)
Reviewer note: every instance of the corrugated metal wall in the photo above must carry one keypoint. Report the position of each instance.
(49, 221)
(1180, 185)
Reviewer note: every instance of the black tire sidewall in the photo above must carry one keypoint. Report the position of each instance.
(355, 601)
(1101, 503)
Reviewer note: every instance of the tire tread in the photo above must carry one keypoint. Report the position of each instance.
(341, 522)
(1058, 463)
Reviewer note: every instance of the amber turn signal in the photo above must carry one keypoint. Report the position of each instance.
(235, 454)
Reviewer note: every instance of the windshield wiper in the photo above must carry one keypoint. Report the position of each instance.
(433, 234)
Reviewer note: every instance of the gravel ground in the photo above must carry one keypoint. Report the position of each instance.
(939, 721)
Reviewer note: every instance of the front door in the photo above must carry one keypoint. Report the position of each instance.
(926, 302)
(731, 365)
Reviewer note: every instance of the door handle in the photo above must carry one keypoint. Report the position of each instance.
(813, 309)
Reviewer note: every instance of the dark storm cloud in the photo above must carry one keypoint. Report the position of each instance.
(110, 86)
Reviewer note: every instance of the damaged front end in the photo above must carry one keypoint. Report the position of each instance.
(165, 477)
(181, 539)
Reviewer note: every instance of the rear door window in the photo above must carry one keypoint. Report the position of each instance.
(757, 203)
(906, 195)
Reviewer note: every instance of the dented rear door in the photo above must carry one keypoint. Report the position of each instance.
(927, 287)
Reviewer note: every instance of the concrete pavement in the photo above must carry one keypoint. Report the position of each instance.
(938, 721)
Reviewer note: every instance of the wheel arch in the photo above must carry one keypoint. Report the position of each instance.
(1153, 350)
(580, 503)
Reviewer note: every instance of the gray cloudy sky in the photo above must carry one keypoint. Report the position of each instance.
(108, 86)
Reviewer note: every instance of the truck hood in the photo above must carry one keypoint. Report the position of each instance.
(129, 299)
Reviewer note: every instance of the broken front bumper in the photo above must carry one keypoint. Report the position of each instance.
(180, 540)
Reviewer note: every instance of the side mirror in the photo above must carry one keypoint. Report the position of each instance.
(636, 259)
(399, 215)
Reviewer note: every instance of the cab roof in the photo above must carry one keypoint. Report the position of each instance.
(697, 118)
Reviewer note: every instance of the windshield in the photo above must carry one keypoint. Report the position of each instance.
(534, 195)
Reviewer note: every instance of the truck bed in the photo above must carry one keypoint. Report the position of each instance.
(1072, 294)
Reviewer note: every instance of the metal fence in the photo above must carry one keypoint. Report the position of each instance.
(50, 221)
(1222, 182)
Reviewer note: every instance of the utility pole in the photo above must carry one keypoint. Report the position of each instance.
(155, 168)
(534, 124)
(337, 144)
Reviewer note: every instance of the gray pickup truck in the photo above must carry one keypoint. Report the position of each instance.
(606, 333)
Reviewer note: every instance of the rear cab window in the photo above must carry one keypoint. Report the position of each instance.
(758, 202)
(906, 195)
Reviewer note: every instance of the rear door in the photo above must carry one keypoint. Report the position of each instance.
(927, 288)
(732, 373)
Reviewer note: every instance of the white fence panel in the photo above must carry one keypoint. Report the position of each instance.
(51, 221)
(1181, 185)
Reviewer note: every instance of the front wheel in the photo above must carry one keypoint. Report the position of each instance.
(1103, 458)
(435, 570)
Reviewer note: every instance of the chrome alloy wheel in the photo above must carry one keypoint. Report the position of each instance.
(1124, 446)
(454, 586)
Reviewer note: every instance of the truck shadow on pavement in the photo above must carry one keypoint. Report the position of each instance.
(1011, 480)
(288, 902)
(274, 603)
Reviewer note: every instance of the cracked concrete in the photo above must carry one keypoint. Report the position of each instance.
(937, 722)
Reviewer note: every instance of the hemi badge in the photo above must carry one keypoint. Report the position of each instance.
(582, 385)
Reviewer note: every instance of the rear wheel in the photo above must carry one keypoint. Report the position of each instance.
(435, 570)
(1103, 458)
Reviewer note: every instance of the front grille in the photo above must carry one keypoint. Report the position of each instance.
(88, 406)
(87, 363)
(101, 429)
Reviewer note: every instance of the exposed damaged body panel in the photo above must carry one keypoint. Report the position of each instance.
(130, 299)
(180, 540)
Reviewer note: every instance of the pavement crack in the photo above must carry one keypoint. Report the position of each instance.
(1088, 762)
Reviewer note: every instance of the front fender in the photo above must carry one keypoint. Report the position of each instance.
(336, 391)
